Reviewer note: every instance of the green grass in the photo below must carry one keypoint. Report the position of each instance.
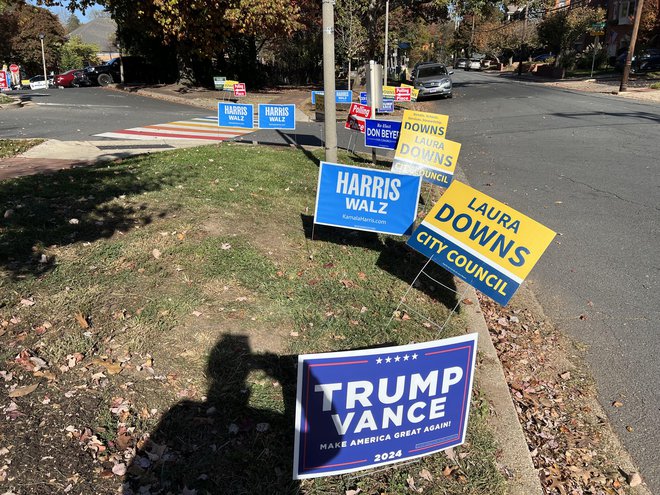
(5, 99)
(655, 85)
(201, 262)
(12, 147)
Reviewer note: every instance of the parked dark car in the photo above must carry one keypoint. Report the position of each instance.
(73, 78)
(543, 57)
(433, 79)
(646, 61)
(136, 69)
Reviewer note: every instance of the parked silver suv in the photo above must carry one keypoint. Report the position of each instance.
(433, 79)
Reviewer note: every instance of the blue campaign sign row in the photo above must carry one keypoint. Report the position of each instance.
(271, 116)
(361, 409)
(341, 96)
(387, 106)
(366, 199)
(382, 133)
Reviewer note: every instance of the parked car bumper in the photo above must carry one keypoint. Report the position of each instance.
(436, 90)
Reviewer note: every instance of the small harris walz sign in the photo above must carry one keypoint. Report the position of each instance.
(361, 409)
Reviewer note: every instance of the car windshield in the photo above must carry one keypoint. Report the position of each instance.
(434, 70)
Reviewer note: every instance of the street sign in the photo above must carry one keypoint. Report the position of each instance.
(381, 133)
(366, 199)
(273, 116)
(235, 115)
(486, 243)
(356, 116)
(239, 89)
(361, 409)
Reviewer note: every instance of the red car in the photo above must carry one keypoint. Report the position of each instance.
(72, 79)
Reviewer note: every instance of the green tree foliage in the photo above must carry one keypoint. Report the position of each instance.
(74, 53)
(561, 29)
(27, 23)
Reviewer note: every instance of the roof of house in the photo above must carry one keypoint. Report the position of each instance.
(100, 31)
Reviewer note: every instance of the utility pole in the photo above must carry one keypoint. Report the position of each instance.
(631, 49)
(330, 121)
(387, 20)
(43, 57)
(522, 42)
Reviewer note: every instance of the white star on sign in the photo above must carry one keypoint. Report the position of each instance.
(397, 359)
(379, 360)
(406, 357)
(414, 356)
(388, 360)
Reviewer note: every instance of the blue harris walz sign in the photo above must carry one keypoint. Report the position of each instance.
(273, 116)
(236, 115)
(381, 133)
(361, 409)
(366, 199)
(341, 96)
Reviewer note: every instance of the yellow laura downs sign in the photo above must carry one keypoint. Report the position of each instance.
(481, 240)
(424, 150)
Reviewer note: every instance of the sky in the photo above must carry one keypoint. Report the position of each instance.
(64, 14)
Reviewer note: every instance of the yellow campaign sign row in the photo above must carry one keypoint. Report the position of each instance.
(423, 149)
(488, 244)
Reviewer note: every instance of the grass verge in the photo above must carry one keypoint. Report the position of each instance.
(158, 305)
(13, 147)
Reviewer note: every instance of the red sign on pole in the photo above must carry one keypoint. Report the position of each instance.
(402, 94)
(239, 89)
(13, 68)
(356, 116)
(4, 80)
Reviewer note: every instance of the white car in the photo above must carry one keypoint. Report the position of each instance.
(37, 82)
(473, 64)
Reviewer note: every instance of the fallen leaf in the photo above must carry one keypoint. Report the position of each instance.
(566, 375)
(197, 313)
(225, 245)
(616, 403)
(27, 302)
(347, 283)
(426, 474)
(111, 368)
(353, 492)
(82, 321)
(467, 302)
(630, 428)
(634, 479)
(23, 391)
(119, 469)
(362, 276)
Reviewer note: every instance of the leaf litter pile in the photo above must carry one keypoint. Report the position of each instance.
(569, 438)
(151, 313)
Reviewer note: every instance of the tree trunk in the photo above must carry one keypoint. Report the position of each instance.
(185, 66)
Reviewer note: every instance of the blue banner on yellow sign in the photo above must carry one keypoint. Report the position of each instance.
(481, 240)
(360, 409)
(236, 115)
(366, 199)
(273, 116)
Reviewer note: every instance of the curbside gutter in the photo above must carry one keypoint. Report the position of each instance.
(513, 452)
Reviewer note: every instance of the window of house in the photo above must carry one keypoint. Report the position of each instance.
(626, 11)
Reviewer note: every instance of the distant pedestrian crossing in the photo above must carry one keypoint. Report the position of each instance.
(201, 128)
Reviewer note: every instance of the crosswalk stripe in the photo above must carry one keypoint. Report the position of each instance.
(202, 128)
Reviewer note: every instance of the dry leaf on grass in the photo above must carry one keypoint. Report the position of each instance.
(156, 253)
(82, 320)
(426, 474)
(23, 391)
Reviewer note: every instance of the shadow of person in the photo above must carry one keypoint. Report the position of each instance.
(239, 440)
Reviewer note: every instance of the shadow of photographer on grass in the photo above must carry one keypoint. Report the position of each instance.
(238, 440)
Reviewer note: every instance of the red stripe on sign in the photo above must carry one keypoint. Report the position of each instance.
(161, 135)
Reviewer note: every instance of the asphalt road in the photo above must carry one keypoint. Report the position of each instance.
(76, 114)
(586, 166)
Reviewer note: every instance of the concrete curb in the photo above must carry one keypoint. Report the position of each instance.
(513, 453)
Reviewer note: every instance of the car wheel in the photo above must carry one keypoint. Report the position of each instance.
(104, 79)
